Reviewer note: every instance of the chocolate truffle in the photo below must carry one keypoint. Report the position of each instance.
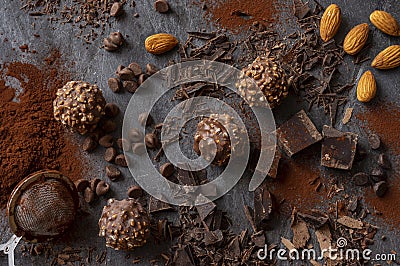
(124, 224)
(210, 130)
(79, 106)
(270, 79)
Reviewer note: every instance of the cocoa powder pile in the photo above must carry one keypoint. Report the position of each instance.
(31, 139)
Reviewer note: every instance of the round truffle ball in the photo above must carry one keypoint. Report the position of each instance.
(79, 106)
(269, 77)
(124, 224)
(212, 137)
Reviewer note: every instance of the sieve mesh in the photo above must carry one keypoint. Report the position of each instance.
(46, 209)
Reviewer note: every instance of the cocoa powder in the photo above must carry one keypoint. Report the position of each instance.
(31, 139)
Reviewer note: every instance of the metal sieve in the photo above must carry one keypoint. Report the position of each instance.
(41, 207)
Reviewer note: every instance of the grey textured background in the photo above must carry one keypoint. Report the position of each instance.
(96, 65)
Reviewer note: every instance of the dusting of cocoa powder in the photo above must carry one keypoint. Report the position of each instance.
(237, 14)
(31, 139)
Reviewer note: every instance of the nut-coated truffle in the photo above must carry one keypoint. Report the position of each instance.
(79, 106)
(125, 224)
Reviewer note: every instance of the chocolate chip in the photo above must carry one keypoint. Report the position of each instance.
(114, 84)
(113, 172)
(135, 67)
(109, 126)
(125, 74)
(124, 144)
(145, 119)
(135, 192)
(116, 38)
(89, 195)
(361, 179)
(151, 69)
(161, 6)
(116, 9)
(106, 141)
(110, 154)
(384, 162)
(121, 160)
(130, 86)
(151, 140)
(135, 135)
(93, 183)
(102, 188)
(141, 79)
(89, 144)
(138, 148)
(380, 188)
(81, 184)
(167, 169)
(374, 141)
(109, 45)
(377, 174)
(111, 110)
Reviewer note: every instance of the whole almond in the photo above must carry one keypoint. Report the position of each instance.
(366, 88)
(160, 43)
(388, 58)
(330, 22)
(385, 22)
(356, 39)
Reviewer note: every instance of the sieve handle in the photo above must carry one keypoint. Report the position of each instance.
(9, 247)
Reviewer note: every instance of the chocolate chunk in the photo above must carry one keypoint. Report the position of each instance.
(106, 141)
(205, 209)
(135, 192)
(102, 188)
(338, 148)
(151, 140)
(89, 144)
(135, 67)
(135, 135)
(167, 169)
(109, 45)
(263, 207)
(141, 79)
(297, 134)
(116, 9)
(110, 154)
(273, 171)
(109, 126)
(384, 162)
(138, 148)
(374, 141)
(145, 119)
(156, 205)
(377, 174)
(301, 9)
(151, 69)
(183, 256)
(213, 237)
(353, 204)
(113, 172)
(81, 184)
(111, 110)
(121, 160)
(361, 179)
(125, 74)
(114, 84)
(124, 144)
(130, 86)
(161, 6)
(316, 219)
(116, 38)
(89, 195)
(380, 188)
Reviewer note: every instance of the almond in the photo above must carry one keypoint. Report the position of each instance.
(366, 88)
(330, 22)
(388, 58)
(160, 43)
(356, 39)
(385, 22)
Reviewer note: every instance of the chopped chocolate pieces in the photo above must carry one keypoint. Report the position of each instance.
(380, 188)
(205, 209)
(297, 134)
(374, 141)
(273, 171)
(350, 222)
(301, 10)
(116, 9)
(263, 207)
(213, 237)
(384, 162)
(347, 116)
(317, 220)
(113, 172)
(361, 179)
(301, 234)
(338, 148)
(156, 205)
(183, 256)
(114, 84)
